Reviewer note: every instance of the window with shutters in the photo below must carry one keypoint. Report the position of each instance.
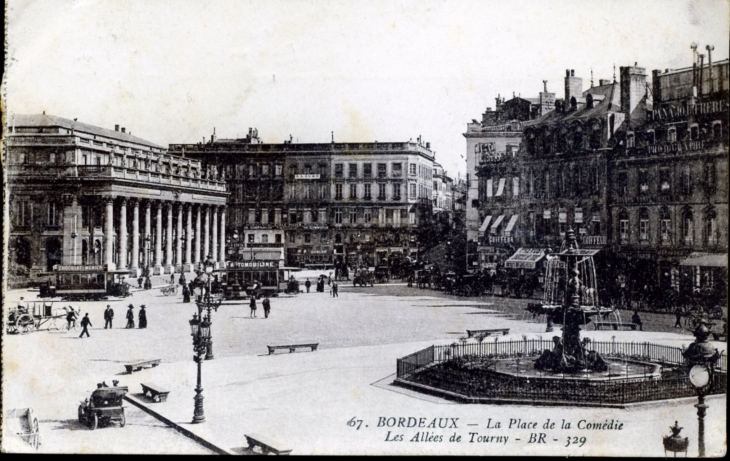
(711, 227)
(643, 181)
(623, 226)
(352, 170)
(643, 224)
(367, 170)
(382, 170)
(623, 183)
(688, 227)
(710, 178)
(338, 216)
(396, 191)
(381, 191)
(412, 190)
(339, 170)
(338, 191)
(686, 181)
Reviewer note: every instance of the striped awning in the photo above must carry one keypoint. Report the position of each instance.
(497, 222)
(485, 224)
(511, 223)
(706, 260)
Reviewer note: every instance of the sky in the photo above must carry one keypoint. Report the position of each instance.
(171, 71)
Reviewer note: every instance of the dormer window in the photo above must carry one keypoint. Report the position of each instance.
(630, 142)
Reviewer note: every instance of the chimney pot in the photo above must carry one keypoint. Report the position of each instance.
(428, 145)
(116, 127)
(124, 130)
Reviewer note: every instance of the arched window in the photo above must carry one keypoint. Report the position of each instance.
(665, 225)
(623, 225)
(717, 129)
(688, 227)
(643, 225)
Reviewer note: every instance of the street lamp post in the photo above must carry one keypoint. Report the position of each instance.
(200, 331)
(207, 302)
(148, 250)
(701, 357)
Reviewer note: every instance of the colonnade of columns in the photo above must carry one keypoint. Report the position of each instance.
(171, 245)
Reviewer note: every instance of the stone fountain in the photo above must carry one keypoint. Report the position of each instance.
(572, 306)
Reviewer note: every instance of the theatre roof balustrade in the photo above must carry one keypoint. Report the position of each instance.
(111, 172)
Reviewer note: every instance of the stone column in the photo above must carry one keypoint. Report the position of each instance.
(158, 240)
(206, 231)
(198, 235)
(222, 255)
(178, 239)
(188, 236)
(123, 234)
(135, 234)
(214, 240)
(109, 233)
(147, 233)
(169, 266)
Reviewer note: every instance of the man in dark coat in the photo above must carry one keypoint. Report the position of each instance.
(186, 294)
(108, 316)
(307, 284)
(253, 306)
(142, 317)
(130, 317)
(85, 323)
(267, 306)
(182, 280)
(140, 280)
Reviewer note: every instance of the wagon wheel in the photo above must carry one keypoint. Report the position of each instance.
(26, 323)
(12, 329)
(122, 421)
(94, 422)
(36, 434)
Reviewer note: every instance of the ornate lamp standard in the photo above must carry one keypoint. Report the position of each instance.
(207, 302)
(148, 251)
(200, 331)
(701, 358)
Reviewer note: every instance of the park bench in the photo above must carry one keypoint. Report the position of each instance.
(136, 366)
(472, 333)
(615, 325)
(293, 347)
(155, 392)
(265, 444)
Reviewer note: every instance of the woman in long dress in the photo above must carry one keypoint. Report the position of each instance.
(142, 317)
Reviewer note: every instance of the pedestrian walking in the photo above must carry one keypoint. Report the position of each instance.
(253, 306)
(142, 317)
(71, 318)
(182, 280)
(334, 289)
(678, 318)
(172, 279)
(637, 320)
(147, 283)
(139, 282)
(267, 307)
(307, 284)
(186, 293)
(108, 317)
(85, 324)
(130, 317)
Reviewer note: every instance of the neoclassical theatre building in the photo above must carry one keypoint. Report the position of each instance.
(84, 195)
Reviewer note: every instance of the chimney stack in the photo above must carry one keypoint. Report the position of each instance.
(573, 87)
(604, 81)
(124, 130)
(633, 88)
(428, 145)
(709, 49)
(116, 127)
(547, 100)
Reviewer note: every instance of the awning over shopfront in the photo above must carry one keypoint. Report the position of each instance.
(497, 222)
(525, 258)
(706, 260)
(511, 223)
(485, 224)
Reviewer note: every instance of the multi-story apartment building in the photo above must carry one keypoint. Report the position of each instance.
(443, 193)
(76, 192)
(498, 134)
(325, 203)
(255, 178)
(669, 189)
(494, 144)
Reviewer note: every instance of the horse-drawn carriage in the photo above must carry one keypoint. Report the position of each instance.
(363, 277)
(28, 316)
(103, 406)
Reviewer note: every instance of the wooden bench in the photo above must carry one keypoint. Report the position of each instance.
(136, 366)
(472, 333)
(615, 325)
(265, 444)
(293, 347)
(155, 392)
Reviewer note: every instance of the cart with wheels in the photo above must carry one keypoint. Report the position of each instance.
(23, 423)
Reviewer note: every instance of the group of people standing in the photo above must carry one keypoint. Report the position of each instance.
(71, 317)
(266, 303)
(320, 285)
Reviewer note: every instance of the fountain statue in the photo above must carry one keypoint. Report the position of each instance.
(572, 305)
